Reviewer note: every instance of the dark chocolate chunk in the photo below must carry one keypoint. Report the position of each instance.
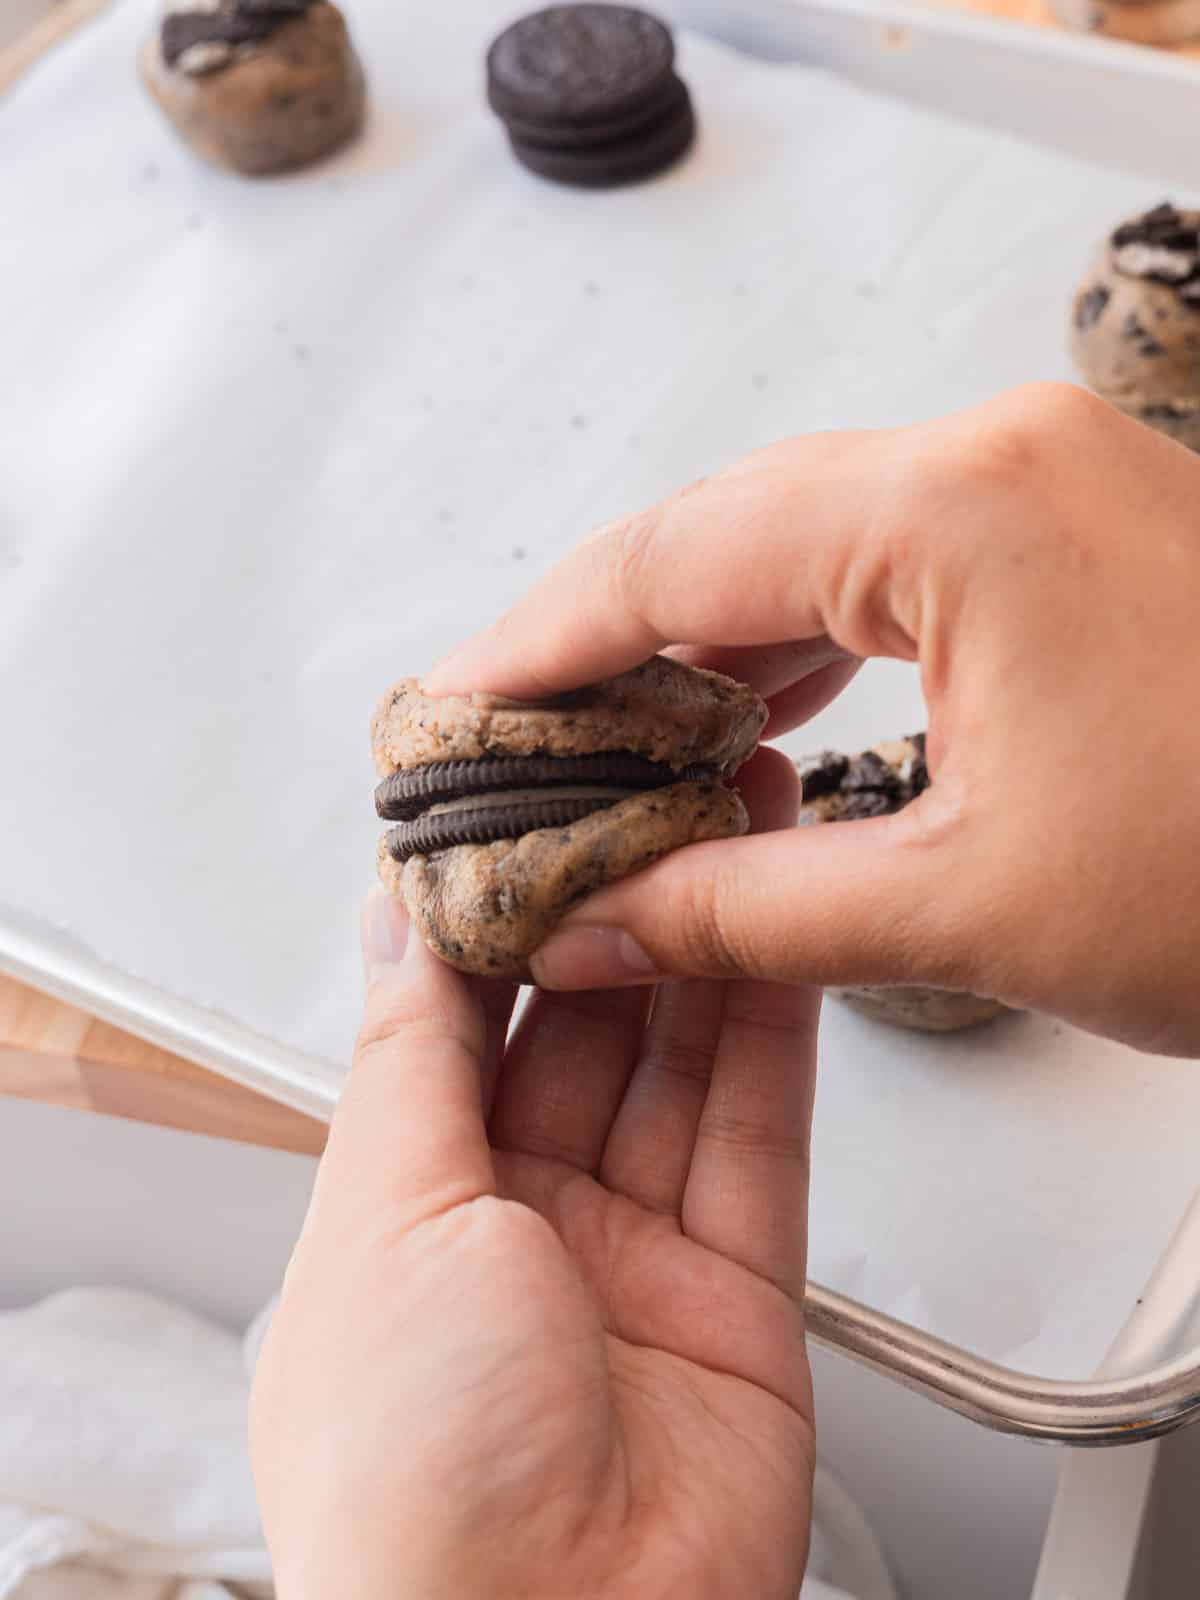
(1089, 308)
(578, 65)
(870, 771)
(823, 774)
(1158, 226)
(868, 803)
(641, 155)
(867, 786)
(237, 22)
(1163, 247)
(407, 793)
(1162, 413)
(426, 835)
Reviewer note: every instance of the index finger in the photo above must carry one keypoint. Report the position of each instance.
(750, 557)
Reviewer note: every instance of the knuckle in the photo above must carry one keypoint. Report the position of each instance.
(675, 1058)
(1054, 409)
(1004, 448)
(395, 1019)
(706, 916)
(630, 552)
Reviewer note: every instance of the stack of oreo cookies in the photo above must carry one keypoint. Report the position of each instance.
(589, 94)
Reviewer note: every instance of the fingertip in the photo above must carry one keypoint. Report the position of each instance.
(592, 957)
(383, 932)
(770, 789)
(801, 701)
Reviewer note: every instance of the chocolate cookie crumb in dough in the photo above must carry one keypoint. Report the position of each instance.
(878, 783)
(1135, 322)
(259, 86)
(589, 94)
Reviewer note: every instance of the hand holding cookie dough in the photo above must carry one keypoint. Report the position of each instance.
(542, 1334)
(1038, 557)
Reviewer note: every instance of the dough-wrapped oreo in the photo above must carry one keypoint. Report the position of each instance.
(1135, 322)
(876, 783)
(1161, 22)
(589, 94)
(506, 814)
(259, 86)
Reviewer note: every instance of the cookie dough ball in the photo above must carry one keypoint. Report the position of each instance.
(878, 782)
(1135, 322)
(1164, 22)
(259, 86)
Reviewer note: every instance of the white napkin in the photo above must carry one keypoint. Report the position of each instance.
(123, 1463)
(124, 1473)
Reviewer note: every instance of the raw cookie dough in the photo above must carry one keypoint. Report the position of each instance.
(589, 94)
(259, 86)
(1135, 322)
(878, 782)
(506, 814)
(1164, 22)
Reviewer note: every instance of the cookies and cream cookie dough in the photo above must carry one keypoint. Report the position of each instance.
(589, 94)
(1135, 322)
(877, 783)
(505, 814)
(259, 86)
(1161, 22)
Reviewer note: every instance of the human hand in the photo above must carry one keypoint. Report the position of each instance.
(570, 1362)
(1040, 558)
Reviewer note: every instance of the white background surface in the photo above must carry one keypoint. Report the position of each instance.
(266, 446)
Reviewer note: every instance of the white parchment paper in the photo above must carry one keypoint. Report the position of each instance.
(265, 446)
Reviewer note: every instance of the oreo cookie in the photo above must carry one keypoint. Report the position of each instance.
(446, 804)
(200, 41)
(589, 94)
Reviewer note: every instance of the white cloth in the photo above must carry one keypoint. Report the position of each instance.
(124, 1473)
(123, 1462)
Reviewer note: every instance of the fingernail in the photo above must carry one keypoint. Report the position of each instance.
(384, 932)
(592, 958)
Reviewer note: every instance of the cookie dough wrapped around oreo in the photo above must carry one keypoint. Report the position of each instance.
(506, 814)
(1135, 322)
(259, 86)
(877, 783)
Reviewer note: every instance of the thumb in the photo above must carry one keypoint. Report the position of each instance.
(408, 1139)
(878, 901)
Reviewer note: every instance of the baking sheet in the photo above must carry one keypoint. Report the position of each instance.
(266, 446)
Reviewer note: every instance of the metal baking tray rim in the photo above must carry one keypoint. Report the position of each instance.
(922, 55)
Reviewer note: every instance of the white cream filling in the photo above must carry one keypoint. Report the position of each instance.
(521, 797)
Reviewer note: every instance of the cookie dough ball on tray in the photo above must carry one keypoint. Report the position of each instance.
(877, 783)
(1135, 322)
(589, 94)
(505, 814)
(258, 86)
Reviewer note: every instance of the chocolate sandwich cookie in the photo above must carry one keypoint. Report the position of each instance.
(589, 94)
(506, 814)
(877, 783)
(260, 86)
(1135, 322)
